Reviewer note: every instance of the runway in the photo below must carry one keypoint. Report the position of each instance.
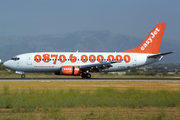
(94, 79)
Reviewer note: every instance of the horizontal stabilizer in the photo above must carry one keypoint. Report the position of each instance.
(161, 54)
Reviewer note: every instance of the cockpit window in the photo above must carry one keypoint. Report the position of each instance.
(15, 58)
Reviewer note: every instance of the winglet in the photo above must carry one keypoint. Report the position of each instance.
(152, 42)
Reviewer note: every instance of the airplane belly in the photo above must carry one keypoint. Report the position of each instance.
(118, 67)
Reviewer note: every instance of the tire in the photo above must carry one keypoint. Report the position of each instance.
(23, 76)
(88, 75)
(83, 75)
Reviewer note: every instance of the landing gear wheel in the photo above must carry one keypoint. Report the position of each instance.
(88, 75)
(83, 75)
(23, 76)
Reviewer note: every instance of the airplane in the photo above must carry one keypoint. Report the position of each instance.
(82, 63)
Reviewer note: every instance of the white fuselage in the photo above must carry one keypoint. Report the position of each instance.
(52, 61)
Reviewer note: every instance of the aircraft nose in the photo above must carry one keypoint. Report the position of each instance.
(7, 64)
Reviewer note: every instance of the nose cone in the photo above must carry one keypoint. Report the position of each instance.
(8, 64)
(5, 64)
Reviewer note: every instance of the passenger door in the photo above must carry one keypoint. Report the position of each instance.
(29, 60)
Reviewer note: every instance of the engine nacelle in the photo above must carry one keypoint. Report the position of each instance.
(69, 70)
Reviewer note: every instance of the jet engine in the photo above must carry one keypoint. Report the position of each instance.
(69, 70)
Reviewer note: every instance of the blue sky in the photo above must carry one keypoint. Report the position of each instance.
(43, 17)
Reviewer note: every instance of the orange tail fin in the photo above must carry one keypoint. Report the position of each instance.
(152, 42)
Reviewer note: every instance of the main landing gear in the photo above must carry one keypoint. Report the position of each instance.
(23, 76)
(86, 75)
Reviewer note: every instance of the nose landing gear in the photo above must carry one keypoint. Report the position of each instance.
(22, 73)
(23, 76)
(86, 75)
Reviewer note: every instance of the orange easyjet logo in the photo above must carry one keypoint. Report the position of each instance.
(150, 39)
(67, 69)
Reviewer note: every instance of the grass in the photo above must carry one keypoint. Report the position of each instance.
(102, 97)
(100, 104)
(88, 85)
(90, 100)
(79, 113)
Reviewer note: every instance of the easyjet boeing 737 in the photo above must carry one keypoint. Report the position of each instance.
(82, 63)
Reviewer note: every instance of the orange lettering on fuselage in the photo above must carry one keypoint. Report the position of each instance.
(111, 58)
(62, 58)
(100, 58)
(46, 58)
(72, 58)
(37, 58)
(118, 58)
(84, 58)
(127, 58)
(92, 58)
(55, 58)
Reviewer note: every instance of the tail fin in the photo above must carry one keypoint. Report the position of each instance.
(152, 42)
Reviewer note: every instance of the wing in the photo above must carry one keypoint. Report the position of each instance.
(96, 67)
